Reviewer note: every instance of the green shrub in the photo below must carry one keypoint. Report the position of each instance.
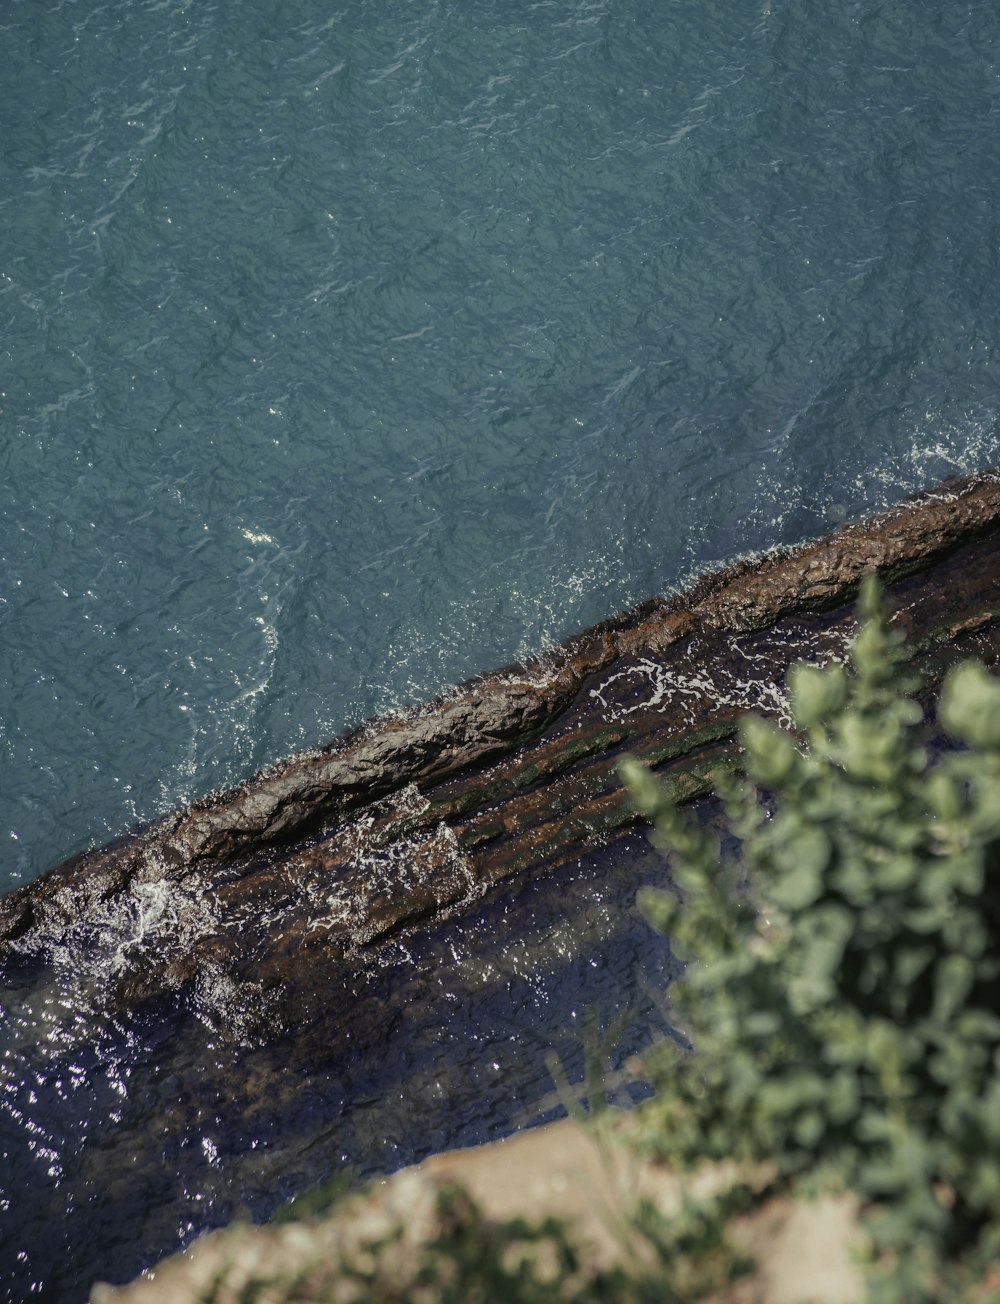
(844, 1005)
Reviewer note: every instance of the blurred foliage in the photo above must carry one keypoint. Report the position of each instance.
(456, 1255)
(844, 989)
(477, 1261)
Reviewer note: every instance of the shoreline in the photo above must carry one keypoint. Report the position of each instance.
(492, 714)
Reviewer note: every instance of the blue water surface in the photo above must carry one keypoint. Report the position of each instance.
(349, 349)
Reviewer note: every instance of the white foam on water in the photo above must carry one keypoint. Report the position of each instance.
(941, 446)
(153, 918)
(669, 685)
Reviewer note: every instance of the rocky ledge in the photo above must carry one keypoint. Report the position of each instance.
(329, 852)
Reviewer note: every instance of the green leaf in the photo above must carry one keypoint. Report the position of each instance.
(970, 706)
(803, 859)
(817, 694)
(953, 978)
(771, 757)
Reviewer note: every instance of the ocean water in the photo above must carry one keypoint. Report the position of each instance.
(349, 349)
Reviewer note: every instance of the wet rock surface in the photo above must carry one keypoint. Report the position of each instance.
(512, 770)
(362, 955)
